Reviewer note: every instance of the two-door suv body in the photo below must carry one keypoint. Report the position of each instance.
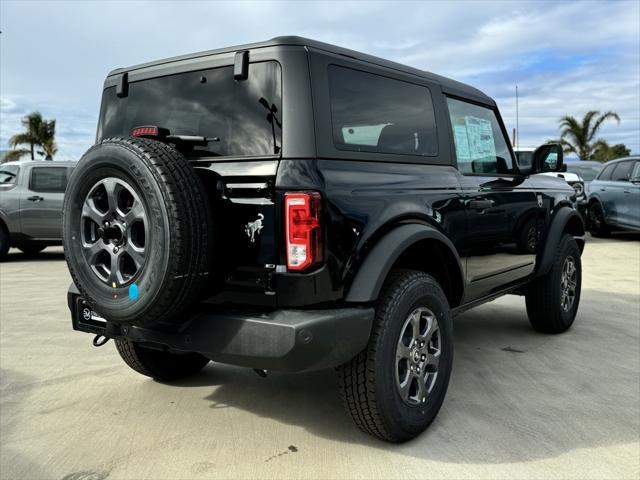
(292, 205)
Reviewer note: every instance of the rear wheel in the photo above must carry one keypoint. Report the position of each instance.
(159, 364)
(395, 387)
(552, 300)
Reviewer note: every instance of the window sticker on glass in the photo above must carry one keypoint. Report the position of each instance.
(480, 137)
(462, 142)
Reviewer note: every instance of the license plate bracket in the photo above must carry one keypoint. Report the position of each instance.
(87, 320)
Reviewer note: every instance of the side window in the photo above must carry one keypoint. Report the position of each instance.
(635, 174)
(606, 172)
(371, 113)
(8, 174)
(622, 172)
(480, 143)
(48, 179)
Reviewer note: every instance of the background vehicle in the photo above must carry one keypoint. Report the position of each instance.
(614, 197)
(292, 205)
(573, 178)
(587, 170)
(31, 194)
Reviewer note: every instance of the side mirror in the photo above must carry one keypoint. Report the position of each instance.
(548, 158)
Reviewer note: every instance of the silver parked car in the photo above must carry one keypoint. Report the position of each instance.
(31, 194)
(614, 197)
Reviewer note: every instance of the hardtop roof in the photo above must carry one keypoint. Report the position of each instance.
(452, 86)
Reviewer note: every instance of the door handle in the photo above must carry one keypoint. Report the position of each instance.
(480, 204)
(603, 189)
(35, 198)
(627, 191)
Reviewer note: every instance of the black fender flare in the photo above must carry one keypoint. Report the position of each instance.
(558, 226)
(371, 275)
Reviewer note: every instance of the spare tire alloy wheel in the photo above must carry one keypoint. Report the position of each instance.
(113, 230)
(136, 231)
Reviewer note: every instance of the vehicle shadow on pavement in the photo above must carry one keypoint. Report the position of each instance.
(616, 236)
(45, 255)
(14, 462)
(515, 394)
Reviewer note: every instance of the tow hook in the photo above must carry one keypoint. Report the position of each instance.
(260, 372)
(100, 340)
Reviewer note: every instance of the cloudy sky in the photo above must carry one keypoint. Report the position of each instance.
(565, 57)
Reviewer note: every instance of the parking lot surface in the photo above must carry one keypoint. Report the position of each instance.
(520, 404)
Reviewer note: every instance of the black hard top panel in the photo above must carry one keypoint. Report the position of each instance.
(449, 86)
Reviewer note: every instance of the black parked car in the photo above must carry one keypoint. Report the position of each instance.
(292, 205)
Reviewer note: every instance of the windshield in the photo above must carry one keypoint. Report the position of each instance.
(8, 174)
(239, 118)
(587, 172)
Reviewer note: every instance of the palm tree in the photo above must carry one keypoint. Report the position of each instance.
(46, 140)
(580, 137)
(38, 133)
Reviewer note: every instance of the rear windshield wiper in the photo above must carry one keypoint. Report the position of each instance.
(180, 141)
(195, 140)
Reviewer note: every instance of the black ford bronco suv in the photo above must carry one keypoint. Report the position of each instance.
(292, 206)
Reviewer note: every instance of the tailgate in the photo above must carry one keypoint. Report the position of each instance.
(245, 225)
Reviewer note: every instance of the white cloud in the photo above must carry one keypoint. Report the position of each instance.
(566, 57)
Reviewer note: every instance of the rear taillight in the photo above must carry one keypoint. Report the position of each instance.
(303, 230)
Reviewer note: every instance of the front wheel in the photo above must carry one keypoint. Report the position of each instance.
(597, 224)
(552, 300)
(395, 387)
(159, 364)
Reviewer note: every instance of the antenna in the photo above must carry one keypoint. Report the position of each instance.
(517, 120)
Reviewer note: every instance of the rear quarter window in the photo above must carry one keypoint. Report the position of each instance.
(372, 113)
(48, 179)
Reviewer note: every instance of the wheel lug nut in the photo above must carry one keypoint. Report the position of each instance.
(115, 250)
(422, 344)
(412, 368)
(423, 357)
(418, 369)
(424, 399)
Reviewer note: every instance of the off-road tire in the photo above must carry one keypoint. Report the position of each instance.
(5, 242)
(596, 223)
(31, 249)
(159, 364)
(543, 297)
(367, 383)
(179, 255)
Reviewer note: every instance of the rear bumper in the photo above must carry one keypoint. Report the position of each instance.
(282, 340)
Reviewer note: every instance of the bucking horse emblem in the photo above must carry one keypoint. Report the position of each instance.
(253, 228)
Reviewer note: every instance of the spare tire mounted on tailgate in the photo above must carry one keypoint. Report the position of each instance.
(136, 231)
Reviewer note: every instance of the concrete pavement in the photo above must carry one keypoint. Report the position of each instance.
(520, 404)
